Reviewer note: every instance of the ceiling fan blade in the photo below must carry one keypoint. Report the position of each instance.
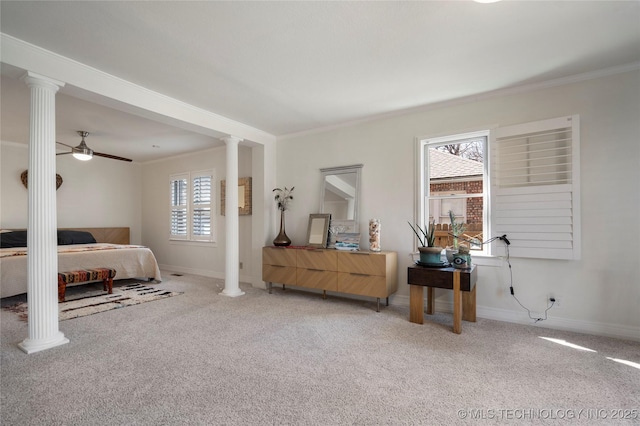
(63, 153)
(113, 157)
(64, 144)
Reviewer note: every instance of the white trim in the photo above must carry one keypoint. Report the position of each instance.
(188, 154)
(178, 241)
(121, 94)
(15, 144)
(168, 269)
(532, 87)
(420, 178)
(520, 317)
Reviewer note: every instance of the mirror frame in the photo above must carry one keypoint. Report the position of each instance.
(324, 219)
(342, 225)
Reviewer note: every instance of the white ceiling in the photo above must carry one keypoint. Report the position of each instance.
(290, 67)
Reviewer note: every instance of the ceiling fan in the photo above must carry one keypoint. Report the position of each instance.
(84, 153)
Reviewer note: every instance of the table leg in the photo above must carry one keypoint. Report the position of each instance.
(416, 304)
(457, 303)
(431, 301)
(469, 305)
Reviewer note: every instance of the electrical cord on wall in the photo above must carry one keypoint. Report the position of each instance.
(553, 301)
(507, 243)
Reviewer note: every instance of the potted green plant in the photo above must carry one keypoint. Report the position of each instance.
(429, 252)
(457, 229)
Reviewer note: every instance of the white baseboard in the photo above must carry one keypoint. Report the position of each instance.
(202, 272)
(552, 322)
(506, 315)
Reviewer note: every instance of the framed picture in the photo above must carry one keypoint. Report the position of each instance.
(318, 230)
(244, 196)
(348, 241)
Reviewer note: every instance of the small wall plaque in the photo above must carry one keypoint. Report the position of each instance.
(244, 196)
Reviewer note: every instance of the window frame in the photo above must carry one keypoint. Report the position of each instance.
(192, 207)
(423, 180)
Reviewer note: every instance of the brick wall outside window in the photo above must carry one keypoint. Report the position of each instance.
(474, 205)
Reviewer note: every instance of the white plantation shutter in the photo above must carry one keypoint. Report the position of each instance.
(201, 217)
(192, 196)
(179, 206)
(535, 188)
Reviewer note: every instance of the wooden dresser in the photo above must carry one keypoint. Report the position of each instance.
(363, 273)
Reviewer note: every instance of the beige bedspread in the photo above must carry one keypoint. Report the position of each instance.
(129, 261)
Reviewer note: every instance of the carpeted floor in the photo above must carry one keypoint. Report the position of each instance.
(293, 358)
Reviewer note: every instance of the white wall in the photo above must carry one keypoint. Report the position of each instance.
(100, 192)
(179, 256)
(598, 294)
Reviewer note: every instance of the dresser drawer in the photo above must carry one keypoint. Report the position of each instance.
(278, 256)
(279, 274)
(363, 263)
(364, 285)
(318, 259)
(311, 278)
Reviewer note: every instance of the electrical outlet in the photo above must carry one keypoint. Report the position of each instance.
(555, 301)
(240, 265)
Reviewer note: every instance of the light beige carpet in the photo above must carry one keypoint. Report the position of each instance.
(294, 358)
(88, 304)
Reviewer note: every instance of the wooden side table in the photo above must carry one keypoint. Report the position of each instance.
(461, 281)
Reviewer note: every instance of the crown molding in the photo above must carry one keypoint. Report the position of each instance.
(531, 87)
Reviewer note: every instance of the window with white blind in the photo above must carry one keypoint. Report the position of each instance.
(535, 184)
(529, 190)
(192, 196)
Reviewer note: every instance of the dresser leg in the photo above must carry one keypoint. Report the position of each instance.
(378, 307)
(387, 301)
(270, 286)
(324, 294)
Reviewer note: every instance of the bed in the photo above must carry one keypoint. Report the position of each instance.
(106, 247)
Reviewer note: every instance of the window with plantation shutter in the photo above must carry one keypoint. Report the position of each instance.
(191, 206)
(535, 188)
(179, 206)
(201, 218)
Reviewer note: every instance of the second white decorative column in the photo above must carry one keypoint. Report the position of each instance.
(232, 249)
(42, 242)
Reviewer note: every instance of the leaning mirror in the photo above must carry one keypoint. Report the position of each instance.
(318, 231)
(340, 195)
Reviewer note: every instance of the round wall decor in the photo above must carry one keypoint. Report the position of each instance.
(24, 177)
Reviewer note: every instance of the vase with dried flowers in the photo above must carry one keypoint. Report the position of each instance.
(283, 198)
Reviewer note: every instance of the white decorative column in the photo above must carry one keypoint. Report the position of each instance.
(42, 251)
(232, 249)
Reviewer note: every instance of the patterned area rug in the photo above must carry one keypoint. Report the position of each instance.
(128, 295)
